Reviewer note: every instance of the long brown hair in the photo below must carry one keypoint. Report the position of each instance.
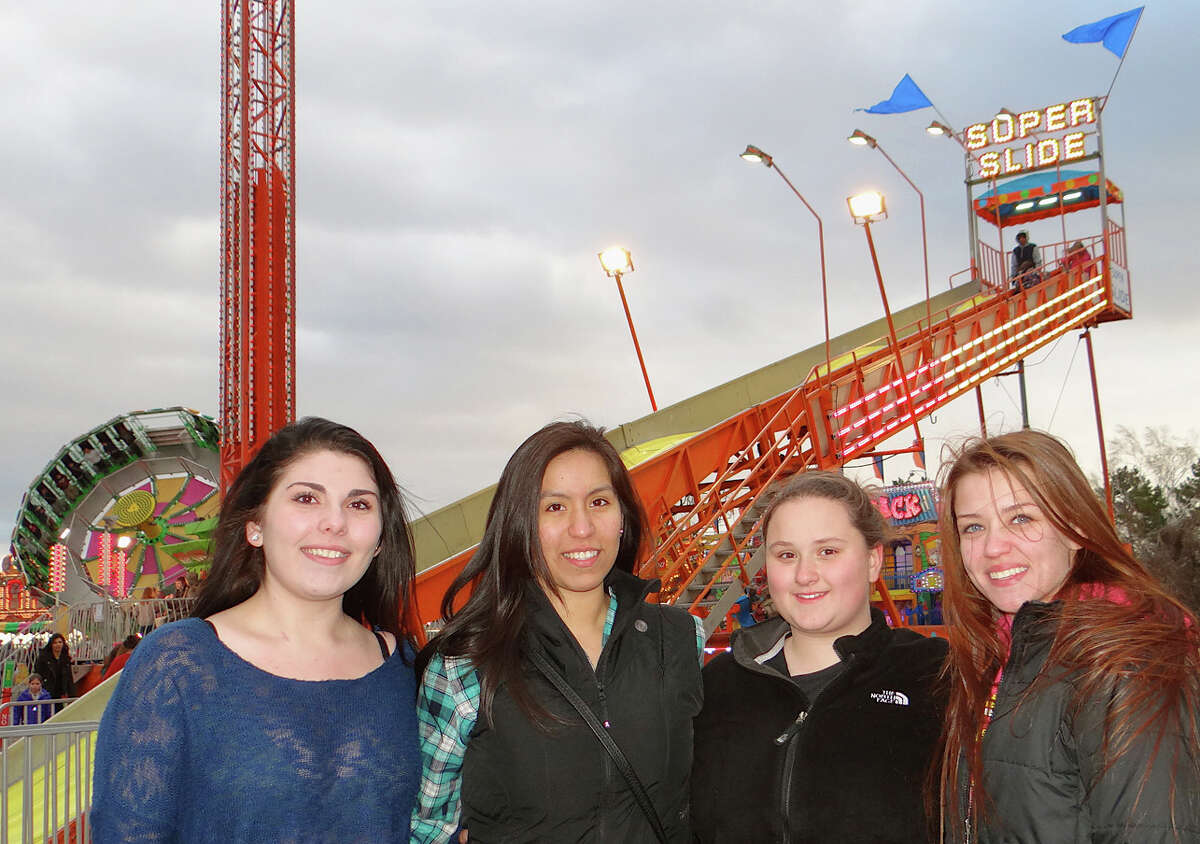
(1148, 639)
(489, 629)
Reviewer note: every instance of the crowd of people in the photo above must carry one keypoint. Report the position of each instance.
(558, 704)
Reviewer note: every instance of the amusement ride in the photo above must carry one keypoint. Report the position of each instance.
(130, 504)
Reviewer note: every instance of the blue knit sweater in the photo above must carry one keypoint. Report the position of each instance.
(199, 745)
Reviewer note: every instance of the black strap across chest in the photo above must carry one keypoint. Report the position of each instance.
(614, 750)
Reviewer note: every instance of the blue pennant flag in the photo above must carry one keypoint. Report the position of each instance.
(877, 462)
(906, 97)
(1115, 32)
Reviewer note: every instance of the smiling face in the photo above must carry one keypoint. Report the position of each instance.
(320, 526)
(819, 568)
(579, 521)
(1009, 548)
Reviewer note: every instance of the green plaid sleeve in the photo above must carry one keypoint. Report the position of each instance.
(701, 637)
(447, 708)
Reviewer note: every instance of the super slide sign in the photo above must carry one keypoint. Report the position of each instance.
(1018, 134)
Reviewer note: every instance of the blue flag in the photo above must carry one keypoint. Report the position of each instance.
(878, 465)
(1115, 32)
(906, 97)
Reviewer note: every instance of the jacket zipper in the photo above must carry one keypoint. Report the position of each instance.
(789, 738)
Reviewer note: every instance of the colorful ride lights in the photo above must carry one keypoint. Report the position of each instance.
(58, 567)
(867, 207)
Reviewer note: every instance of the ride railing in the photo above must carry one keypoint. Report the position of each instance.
(864, 401)
(46, 781)
(17, 713)
(98, 625)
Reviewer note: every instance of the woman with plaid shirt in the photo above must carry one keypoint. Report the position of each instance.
(504, 754)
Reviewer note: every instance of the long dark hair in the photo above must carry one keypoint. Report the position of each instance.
(1148, 639)
(489, 629)
(238, 567)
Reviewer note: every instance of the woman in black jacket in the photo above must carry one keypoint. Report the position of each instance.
(505, 754)
(819, 725)
(54, 664)
(1074, 675)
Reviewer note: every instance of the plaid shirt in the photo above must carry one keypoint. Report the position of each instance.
(447, 709)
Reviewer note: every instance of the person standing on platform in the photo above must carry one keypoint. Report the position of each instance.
(825, 717)
(1026, 258)
(283, 710)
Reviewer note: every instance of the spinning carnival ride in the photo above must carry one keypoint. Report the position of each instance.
(126, 506)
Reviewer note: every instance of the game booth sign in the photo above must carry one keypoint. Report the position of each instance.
(912, 562)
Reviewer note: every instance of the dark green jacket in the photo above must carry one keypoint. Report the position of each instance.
(1039, 761)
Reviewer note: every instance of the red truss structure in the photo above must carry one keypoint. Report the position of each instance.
(258, 244)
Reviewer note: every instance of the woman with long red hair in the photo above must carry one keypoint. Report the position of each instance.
(1074, 675)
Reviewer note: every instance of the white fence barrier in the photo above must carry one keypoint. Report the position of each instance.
(46, 779)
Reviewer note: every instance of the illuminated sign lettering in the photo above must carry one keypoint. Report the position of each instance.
(908, 504)
(1030, 152)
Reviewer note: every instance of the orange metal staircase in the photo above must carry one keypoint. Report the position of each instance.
(703, 496)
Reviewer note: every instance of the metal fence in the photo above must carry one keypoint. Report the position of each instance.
(46, 779)
(100, 624)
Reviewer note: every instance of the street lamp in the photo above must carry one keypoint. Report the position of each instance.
(617, 261)
(866, 208)
(756, 156)
(861, 138)
(936, 128)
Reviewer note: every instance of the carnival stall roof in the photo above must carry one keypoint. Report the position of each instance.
(1038, 195)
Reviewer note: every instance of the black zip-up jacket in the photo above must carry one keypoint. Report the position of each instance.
(521, 785)
(1043, 768)
(848, 767)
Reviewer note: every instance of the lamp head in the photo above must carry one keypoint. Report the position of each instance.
(616, 261)
(756, 156)
(124, 541)
(936, 128)
(867, 207)
(862, 139)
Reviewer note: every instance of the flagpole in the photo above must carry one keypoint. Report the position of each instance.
(1122, 62)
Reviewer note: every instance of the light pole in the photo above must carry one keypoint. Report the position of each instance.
(861, 138)
(866, 208)
(617, 261)
(756, 156)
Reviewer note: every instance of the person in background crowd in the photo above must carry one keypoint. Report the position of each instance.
(1076, 258)
(1074, 675)
(555, 612)
(826, 715)
(32, 714)
(125, 650)
(283, 709)
(144, 615)
(54, 666)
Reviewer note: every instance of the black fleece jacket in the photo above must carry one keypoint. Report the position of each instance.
(848, 767)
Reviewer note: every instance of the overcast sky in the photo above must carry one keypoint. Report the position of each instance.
(459, 165)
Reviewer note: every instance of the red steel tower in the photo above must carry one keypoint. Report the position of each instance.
(258, 221)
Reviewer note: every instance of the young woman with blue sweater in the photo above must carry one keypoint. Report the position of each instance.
(283, 710)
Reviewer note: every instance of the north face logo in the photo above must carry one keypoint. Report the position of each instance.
(888, 696)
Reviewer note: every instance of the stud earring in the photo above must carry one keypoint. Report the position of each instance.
(255, 537)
